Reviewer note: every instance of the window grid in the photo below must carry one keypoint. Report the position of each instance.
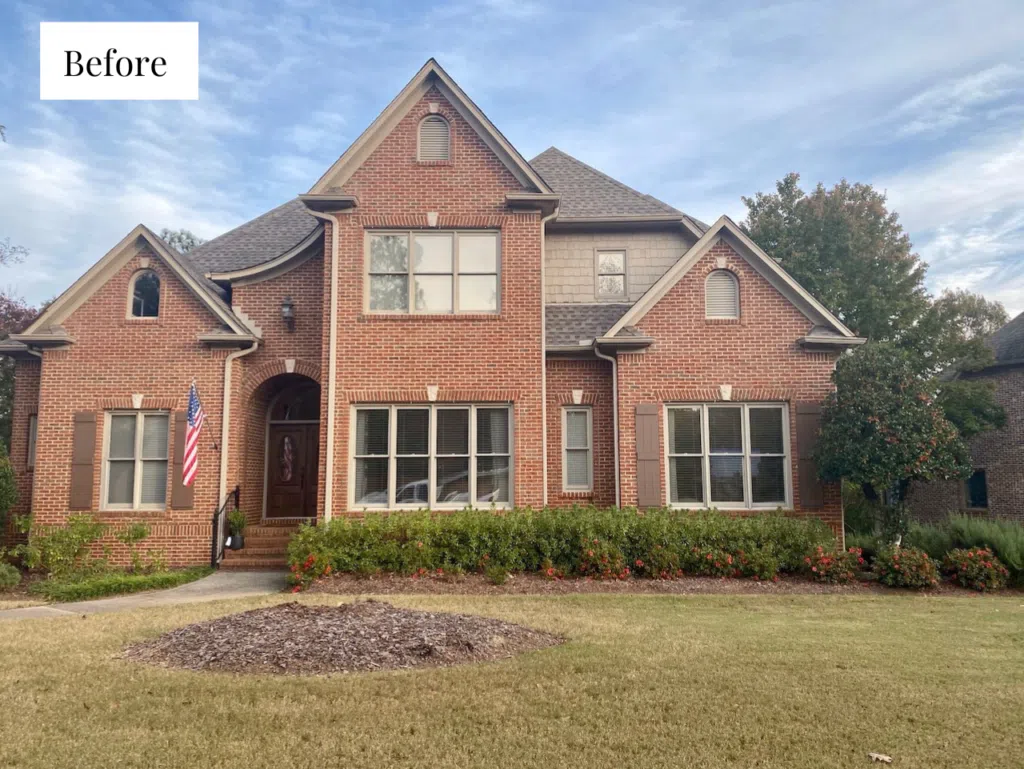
(473, 456)
(457, 272)
(707, 453)
(139, 459)
(617, 272)
(586, 449)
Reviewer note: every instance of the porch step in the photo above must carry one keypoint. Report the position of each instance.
(239, 560)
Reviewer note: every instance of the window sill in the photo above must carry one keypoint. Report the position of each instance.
(434, 163)
(420, 508)
(723, 321)
(158, 321)
(378, 317)
(783, 506)
(120, 514)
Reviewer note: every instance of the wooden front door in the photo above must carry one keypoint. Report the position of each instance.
(292, 461)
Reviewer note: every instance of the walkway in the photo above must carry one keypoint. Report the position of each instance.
(218, 586)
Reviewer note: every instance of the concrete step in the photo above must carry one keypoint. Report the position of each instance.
(255, 548)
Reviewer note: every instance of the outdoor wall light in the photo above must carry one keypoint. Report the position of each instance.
(288, 312)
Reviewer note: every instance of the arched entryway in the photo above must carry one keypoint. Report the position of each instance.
(292, 448)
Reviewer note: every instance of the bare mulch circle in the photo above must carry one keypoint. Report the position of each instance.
(295, 639)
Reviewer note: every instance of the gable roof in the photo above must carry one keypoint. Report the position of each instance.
(430, 75)
(96, 276)
(569, 324)
(260, 240)
(590, 194)
(828, 328)
(1008, 342)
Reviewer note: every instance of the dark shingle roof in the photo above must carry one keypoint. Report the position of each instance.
(255, 242)
(1008, 342)
(567, 324)
(586, 192)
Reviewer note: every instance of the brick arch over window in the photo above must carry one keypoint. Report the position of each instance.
(265, 371)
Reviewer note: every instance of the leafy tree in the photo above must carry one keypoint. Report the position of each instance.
(181, 241)
(8, 488)
(15, 315)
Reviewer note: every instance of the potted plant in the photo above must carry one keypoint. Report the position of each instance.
(236, 525)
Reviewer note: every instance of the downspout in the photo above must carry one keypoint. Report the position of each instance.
(225, 436)
(332, 355)
(543, 351)
(615, 415)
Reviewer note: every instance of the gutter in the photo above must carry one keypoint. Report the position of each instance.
(615, 415)
(544, 350)
(225, 436)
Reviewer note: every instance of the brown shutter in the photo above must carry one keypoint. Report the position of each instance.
(83, 448)
(181, 495)
(808, 423)
(648, 456)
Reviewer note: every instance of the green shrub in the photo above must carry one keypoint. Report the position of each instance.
(236, 522)
(60, 550)
(976, 568)
(8, 488)
(130, 536)
(10, 577)
(934, 540)
(496, 575)
(905, 567)
(664, 541)
(834, 567)
(86, 587)
(1004, 538)
(868, 544)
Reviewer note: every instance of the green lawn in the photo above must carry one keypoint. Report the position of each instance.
(646, 681)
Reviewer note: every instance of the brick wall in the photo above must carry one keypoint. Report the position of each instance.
(999, 452)
(758, 355)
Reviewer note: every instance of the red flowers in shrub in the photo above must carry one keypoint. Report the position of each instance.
(905, 567)
(976, 568)
(834, 567)
(313, 567)
(602, 560)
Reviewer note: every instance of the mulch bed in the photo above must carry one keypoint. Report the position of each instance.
(535, 584)
(295, 639)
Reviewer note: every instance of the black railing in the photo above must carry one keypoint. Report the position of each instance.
(219, 527)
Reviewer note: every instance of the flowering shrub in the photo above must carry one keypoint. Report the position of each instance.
(549, 571)
(659, 563)
(833, 567)
(302, 575)
(602, 560)
(905, 567)
(976, 568)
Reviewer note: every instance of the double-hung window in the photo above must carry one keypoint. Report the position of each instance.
(135, 460)
(611, 274)
(438, 456)
(577, 445)
(433, 272)
(728, 455)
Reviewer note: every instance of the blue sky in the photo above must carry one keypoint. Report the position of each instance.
(696, 103)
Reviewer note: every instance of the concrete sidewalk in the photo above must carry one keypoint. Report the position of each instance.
(218, 586)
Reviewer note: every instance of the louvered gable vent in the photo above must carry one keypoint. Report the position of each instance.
(722, 295)
(434, 138)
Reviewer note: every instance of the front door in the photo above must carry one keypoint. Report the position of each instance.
(292, 460)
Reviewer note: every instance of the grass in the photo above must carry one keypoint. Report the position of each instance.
(651, 681)
(6, 603)
(84, 588)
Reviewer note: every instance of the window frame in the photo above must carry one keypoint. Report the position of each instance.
(735, 284)
(419, 138)
(967, 489)
(410, 274)
(602, 296)
(33, 437)
(432, 456)
(139, 460)
(566, 486)
(706, 454)
(130, 309)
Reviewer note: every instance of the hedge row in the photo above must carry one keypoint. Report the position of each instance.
(584, 541)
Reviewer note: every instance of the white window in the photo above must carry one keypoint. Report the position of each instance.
(435, 139)
(438, 457)
(135, 460)
(611, 274)
(577, 449)
(728, 455)
(722, 295)
(432, 272)
(144, 291)
(33, 429)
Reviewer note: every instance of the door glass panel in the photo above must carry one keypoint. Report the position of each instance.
(286, 459)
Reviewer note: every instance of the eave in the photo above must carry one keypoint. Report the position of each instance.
(43, 340)
(328, 202)
(219, 339)
(813, 342)
(273, 267)
(546, 203)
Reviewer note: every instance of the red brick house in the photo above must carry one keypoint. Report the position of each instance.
(436, 323)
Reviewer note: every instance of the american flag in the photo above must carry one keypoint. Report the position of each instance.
(196, 417)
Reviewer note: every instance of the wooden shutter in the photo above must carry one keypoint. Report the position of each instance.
(648, 456)
(181, 495)
(434, 138)
(808, 423)
(83, 449)
(722, 295)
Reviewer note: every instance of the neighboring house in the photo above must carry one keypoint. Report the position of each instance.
(996, 487)
(436, 323)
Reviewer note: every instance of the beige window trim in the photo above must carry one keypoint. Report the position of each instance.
(410, 273)
(131, 295)
(733, 287)
(588, 449)
(419, 139)
(140, 417)
(625, 274)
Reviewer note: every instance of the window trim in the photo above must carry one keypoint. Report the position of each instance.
(598, 294)
(419, 138)
(566, 486)
(33, 437)
(410, 274)
(747, 504)
(735, 284)
(474, 455)
(129, 314)
(136, 504)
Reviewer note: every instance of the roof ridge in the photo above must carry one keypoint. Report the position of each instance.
(606, 177)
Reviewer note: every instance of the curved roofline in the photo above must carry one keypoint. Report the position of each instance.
(271, 265)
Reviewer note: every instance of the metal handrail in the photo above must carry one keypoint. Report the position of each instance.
(219, 526)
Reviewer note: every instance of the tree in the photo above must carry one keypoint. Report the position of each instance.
(15, 315)
(181, 241)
